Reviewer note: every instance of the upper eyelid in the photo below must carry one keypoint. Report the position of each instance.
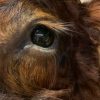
(53, 24)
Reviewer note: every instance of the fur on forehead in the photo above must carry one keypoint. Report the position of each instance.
(60, 8)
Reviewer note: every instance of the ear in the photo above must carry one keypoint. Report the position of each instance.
(94, 12)
(85, 1)
(92, 20)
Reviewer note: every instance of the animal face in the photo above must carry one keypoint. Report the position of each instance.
(50, 45)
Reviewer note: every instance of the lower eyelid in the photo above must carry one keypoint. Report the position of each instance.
(27, 46)
(38, 48)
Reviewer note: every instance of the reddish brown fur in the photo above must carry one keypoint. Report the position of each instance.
(69, 71)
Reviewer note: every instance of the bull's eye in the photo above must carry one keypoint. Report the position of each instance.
(42, 36)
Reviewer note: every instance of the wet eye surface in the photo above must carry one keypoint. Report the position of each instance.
(42, 36)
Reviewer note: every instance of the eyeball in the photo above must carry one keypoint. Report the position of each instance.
(42, 36)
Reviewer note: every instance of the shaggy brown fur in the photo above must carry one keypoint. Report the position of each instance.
(69, 70)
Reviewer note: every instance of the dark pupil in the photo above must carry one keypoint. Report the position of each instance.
(42, 36)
